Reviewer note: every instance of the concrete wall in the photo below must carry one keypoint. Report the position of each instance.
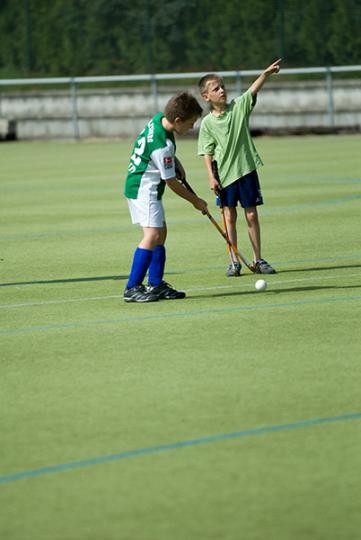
(286, 106)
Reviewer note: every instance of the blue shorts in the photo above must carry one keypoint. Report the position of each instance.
(246, 190)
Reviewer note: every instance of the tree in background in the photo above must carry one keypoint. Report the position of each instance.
(105, 37)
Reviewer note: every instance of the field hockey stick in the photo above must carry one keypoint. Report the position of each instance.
(241, 258)
(231, 253)
(239, 255)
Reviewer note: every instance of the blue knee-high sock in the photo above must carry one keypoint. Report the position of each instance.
(141, 261)
(156, 267)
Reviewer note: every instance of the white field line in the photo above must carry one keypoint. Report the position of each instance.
(273, 285)
(66, 301)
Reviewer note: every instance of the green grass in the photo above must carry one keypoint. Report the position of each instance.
(85, 376)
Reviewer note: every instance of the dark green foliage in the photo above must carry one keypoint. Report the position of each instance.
(103, 37)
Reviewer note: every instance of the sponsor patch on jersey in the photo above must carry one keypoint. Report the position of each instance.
(168, 162)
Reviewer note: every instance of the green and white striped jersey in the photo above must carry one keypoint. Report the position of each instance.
(151, 163)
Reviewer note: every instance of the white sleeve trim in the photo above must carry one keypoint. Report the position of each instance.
(163, 159)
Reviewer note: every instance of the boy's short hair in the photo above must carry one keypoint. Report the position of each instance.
(210, 77)
(183, 106)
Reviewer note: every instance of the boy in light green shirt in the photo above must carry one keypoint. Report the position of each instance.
(232, 160)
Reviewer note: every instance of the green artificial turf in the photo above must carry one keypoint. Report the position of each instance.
(196, 419)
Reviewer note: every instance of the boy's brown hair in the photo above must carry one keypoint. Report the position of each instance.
(183, 106)
(204, 81)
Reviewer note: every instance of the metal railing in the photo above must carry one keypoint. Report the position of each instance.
(154, 79)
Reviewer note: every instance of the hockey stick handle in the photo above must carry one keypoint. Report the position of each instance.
(186, 185)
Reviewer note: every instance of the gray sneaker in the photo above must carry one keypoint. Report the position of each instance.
(234, 270)
(164, 291)
(263, 267)
(139, 294)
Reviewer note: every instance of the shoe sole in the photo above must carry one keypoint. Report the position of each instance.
(141, 301)
(173, 298)
(180, 297)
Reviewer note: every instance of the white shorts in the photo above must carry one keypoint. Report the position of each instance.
(146, 213)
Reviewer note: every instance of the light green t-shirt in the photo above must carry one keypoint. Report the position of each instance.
(228, 139)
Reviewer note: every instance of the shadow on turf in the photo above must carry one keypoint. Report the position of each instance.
(68, 280)
(317, 268)
(278, 291)
(314, 288)
(119, 278)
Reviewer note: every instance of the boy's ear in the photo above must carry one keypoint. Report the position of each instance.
(177, 122)
(205, 96)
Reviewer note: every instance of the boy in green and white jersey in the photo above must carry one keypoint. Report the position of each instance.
(232, 160)
(151, 168)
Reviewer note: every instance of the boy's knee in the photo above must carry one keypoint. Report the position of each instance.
(153, 237)
(251, 215)
(157, 238)
(231, 215)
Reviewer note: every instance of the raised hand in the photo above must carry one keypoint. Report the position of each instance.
(273, 68)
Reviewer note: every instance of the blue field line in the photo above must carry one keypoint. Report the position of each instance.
(319, 204)
(167, 315)
(138, 452)
(123, 228)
